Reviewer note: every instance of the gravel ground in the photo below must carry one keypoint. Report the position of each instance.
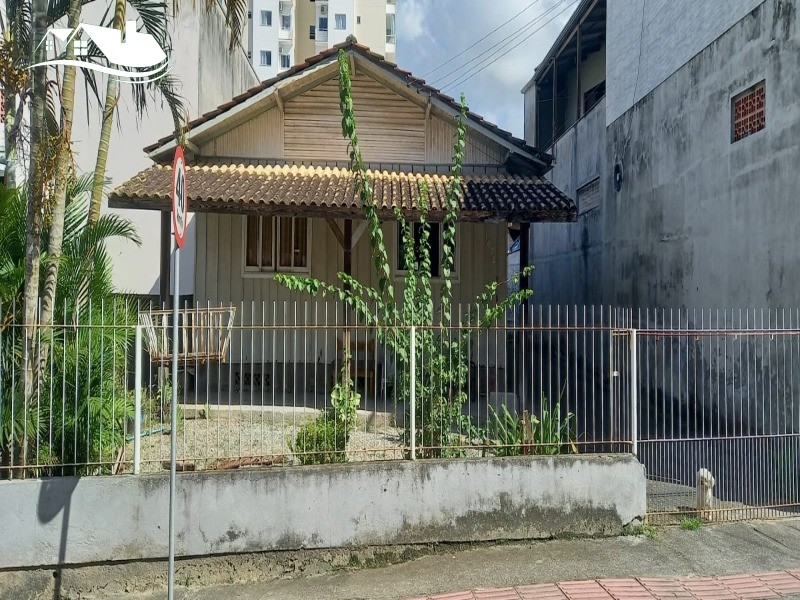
(206, 441)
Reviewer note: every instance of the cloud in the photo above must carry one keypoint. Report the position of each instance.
(490, 72)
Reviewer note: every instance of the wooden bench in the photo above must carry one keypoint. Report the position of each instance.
(204, 334)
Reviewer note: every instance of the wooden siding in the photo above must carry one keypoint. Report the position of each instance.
(261, 137)
(390, 128)
(482, 252)
(479, 150)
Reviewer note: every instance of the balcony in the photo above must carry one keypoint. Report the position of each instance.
(285, 34)
(321, 35)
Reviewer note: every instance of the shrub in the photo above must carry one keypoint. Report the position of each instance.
(508, 434)
(321, 441)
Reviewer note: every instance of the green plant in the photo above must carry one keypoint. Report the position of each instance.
(691, 523)
(441, 381)
(321, 441)
(644, 529)
(508, 434)
(344, 398)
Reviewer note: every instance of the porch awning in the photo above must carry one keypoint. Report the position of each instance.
(326, 192)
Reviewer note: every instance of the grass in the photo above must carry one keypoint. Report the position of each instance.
(644, 529)
(691, 524)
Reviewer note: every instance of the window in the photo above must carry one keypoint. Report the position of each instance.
(312, 34)
(266, 18)
(435, 241)
(286, 21)
(593, 96)
(749, 112)
(323, 24)
(341, 21)
(81, 47)
(390, 31)
(358, 20)
(266, 58)
(286, 61)
(274, 244)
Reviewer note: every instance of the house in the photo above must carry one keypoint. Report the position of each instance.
(674, 126)
(269, 185)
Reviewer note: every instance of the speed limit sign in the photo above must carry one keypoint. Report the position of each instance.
(180, 202)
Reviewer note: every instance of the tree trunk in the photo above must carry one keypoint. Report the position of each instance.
(64, 160)
(36, 197)
(112, 92)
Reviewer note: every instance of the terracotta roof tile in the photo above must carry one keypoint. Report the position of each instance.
(330, 192)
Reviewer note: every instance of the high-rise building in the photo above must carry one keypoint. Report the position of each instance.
(285, 32)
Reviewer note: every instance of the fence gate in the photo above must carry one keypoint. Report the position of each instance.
(719, 410)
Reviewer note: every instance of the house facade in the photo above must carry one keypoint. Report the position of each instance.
(673, 125)
(269, 185)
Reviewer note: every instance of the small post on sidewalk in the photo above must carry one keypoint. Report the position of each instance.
(634, 394)
(412, 393)
(180, 207)
(137, 403)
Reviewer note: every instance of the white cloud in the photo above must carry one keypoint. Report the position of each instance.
(412, 17)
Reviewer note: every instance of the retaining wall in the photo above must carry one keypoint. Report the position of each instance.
(74, 520)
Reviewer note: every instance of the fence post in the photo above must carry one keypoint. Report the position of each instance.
(413, 391)
(634, 392)
(137, 406)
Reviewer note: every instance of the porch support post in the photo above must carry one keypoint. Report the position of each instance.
(166, 250)
(524, 253)
(347, 246)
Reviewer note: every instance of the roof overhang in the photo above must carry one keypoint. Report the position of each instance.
(331, 193)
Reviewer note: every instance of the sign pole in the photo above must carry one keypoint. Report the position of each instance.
(180, 214)
(173, 433)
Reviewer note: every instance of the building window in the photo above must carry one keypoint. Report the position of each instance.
(341, 21)
(266, 58)
(286, 61)
(312, 33)
(435, 241)
(358, 20)
(266, 18)
(593, 96)
(589, 196)
(275, 244)
(81, 47)
(749, 111)
(390, 31)
(286, 21)
(323, 24)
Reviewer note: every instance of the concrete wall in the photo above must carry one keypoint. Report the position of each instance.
(95, 519)
(667, 33)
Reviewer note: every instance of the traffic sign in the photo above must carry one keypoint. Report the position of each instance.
(180, 201)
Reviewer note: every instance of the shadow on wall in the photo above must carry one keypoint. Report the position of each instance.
(55, 497)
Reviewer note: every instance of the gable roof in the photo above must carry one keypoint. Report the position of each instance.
(267, 88)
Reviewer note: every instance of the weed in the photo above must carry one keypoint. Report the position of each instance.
(691, 524)
(644, 529)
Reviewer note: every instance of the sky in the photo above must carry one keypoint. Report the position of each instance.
(431, 32)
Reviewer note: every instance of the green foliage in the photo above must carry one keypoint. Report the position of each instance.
(344, 397)
(81, 405)
(443, 356)
(321, 441)
(691, 523)
(508, 434)
(644, 529)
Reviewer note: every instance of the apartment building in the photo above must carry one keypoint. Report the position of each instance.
(285, 32)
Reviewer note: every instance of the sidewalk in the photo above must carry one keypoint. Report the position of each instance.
(677, 556)
(775, 584)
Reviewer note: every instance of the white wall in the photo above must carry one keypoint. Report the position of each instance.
(347, 8)
(265, 38)
(666, 34)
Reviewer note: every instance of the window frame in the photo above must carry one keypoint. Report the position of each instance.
(288, 20)
(399, 273)
(336, 21)
(288, 61)
(761, 85)
(249, 271)
(265, 54)
(319, 24)
(266, 18)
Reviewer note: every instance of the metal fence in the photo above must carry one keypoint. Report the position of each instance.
(701, 392)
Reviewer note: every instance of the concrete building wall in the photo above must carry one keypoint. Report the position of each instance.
(208, 75)
(124, 518)
(666, 34)
(264, 38)
(338, 35)
(369, 31)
